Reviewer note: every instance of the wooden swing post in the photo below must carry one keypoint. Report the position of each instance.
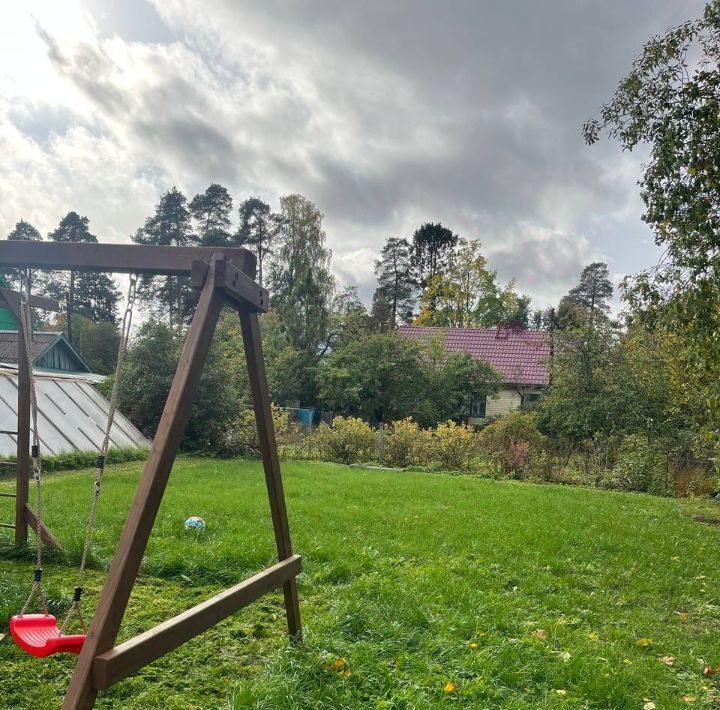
(225, 277)
(24, 514)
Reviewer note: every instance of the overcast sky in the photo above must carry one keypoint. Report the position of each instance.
(386, 113)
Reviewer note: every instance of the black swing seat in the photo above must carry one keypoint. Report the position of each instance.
(39, 635)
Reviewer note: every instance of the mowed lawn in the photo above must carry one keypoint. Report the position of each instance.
(419, 590)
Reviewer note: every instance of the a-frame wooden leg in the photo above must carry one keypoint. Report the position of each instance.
(271, 463)
(131, 547)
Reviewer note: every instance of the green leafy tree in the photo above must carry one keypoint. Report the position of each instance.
(464, 294)
(302, 284)
(378, 377)
(89, 294)
(211, 211)
(348, 318)
(169, 226)
(259, 230)
(459, 380)
(97, 342)
(394, 273)
(670, 102)
(511, 306)
(222, 391)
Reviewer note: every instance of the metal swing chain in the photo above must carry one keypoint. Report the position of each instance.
(26, 327)
(75, 609)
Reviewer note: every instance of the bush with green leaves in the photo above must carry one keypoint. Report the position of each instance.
(406, 444)
(640, 467)
(348, 440)
(512, 442)
(454, 445)
(242, 437)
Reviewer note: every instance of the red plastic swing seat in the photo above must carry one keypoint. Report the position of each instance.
(39, 635)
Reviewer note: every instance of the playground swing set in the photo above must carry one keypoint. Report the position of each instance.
(223, 276)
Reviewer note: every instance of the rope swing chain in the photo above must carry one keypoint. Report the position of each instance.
(75, 607)
(26, 323)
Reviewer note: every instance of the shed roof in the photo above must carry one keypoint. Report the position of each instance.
(72, 415)
(40, 344)
(520, 356)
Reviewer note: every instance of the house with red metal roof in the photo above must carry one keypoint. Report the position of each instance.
(520, 356)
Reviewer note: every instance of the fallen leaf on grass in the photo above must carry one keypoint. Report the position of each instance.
(560, 691)
(472, 645)
(627, 661)
(709, 670)
(347, 674)
(592, 635)
(689, 698)
(643, 643)
(649, 705)
(565, 656)
(668, 660)
(450, 687)
(338, 663)
(540, 634)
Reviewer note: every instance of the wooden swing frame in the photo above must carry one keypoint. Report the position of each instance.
(223, 276)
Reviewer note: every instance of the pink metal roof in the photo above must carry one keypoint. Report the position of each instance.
(520, 356)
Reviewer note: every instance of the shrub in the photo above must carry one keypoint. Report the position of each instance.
(454, 445)
(513, 441)
(349, 440)
(242, 437)
(406, 444)
(639, 467)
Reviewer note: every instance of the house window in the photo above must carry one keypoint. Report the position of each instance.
(529, 399)
(477, 408)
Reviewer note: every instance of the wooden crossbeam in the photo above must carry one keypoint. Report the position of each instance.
(41, 529)
(7, 495)
(118, 258)
(129, 657)
(11, 526)
(12, 299)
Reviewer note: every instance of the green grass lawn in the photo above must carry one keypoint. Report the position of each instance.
(505, 594)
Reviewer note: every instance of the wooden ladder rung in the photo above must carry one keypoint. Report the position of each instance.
(7, 431)
(10, 526)
(7, 495)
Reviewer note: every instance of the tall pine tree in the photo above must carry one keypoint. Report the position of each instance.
(23, 231)
(593, 292)
(395, 279)
(211, 211)
(259, 230)
(432, 246)
(89, 294)
(169, 226)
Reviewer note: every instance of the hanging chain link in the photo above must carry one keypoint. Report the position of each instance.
(75, 607)
(26, 328)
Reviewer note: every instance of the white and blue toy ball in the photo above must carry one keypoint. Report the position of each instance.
(195, 523)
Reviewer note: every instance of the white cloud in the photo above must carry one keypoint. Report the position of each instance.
(385, 114)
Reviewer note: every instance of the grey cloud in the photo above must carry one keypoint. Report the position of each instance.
(390, 113)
